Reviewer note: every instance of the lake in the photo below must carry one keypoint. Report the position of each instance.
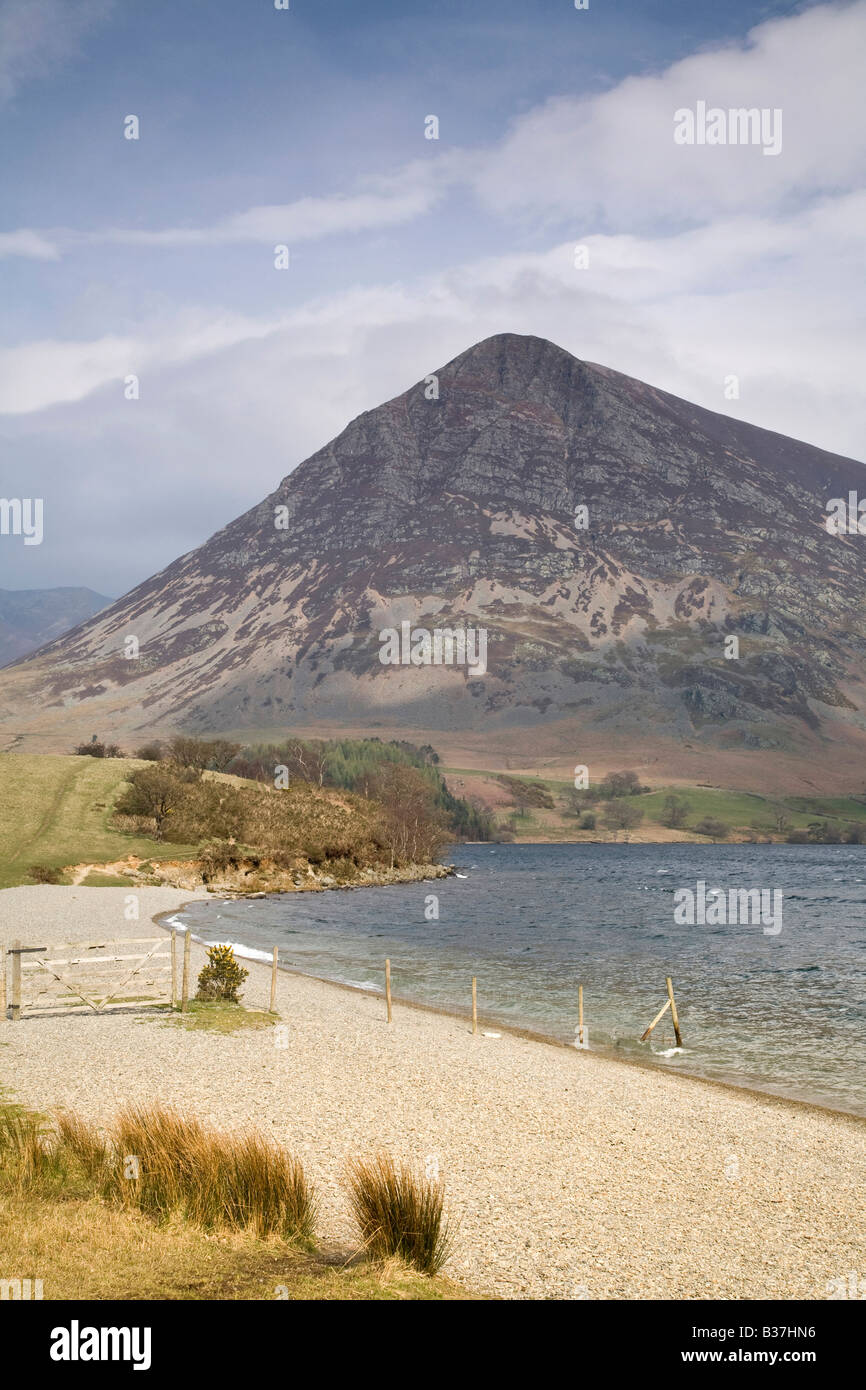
(778, 1008)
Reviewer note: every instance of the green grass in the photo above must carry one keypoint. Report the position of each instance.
(55, 811)
(738, 810)
(219, 1017)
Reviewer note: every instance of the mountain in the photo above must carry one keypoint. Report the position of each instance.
(31, 617)
(606, 641)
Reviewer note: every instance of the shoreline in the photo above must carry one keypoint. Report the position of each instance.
(560, 1167)
(532, 1035)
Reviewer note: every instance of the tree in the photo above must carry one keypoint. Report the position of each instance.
(621, 816)
(154, 792)
(621, 784)
(414, 828)
(199, 753)
(674, 812)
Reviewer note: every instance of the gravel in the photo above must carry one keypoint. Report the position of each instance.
(568, 1175)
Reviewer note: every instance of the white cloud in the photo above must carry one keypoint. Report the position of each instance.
(611, 160)
(27, 243)
(410, 195)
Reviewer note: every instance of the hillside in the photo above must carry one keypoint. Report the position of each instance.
(606, 629)
(31, 617)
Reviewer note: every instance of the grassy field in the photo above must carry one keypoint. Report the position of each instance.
(55, 811)
(739, 811)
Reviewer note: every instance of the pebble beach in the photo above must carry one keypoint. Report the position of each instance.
(568, 1175)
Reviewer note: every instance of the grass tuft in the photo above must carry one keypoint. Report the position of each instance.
(398, 1213)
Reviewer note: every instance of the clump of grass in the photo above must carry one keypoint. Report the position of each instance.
(45, 873)
(166, 1166)
(243, 1182)
(25, 1157)
(83, 1144)
(399, 1213)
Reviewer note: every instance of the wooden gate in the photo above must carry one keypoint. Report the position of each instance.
(88, 976)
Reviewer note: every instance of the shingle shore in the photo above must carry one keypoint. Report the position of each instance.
(569, 1175)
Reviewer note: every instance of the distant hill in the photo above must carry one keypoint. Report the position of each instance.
(656, 583)
(31, 617)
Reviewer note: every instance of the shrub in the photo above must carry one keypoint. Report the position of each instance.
(96, 749)
(149, 752)
(222, 977)
(44, 873)
(398, 1213)
(715, 829)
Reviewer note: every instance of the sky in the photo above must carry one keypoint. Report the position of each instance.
(307, 128)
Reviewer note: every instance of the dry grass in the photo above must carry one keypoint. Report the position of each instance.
(243, 1181)
(165, 1165)
(85, 1249)
(399, 1214)
(209, 1216)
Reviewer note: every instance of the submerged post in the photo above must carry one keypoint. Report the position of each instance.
(273, 1008)
(474, 1005)
(388, 987)
(580, 1015)
(184, 999)
(673, 1004)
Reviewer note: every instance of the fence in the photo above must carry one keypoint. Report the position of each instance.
(87, 976)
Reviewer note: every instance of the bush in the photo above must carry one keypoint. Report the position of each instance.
(222, 977)
(44, 873)
(149, 752)
(96, 749)
(398, 1213)
(715, 829)
(588, 820)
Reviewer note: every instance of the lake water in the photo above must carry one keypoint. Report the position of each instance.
(783, 1013)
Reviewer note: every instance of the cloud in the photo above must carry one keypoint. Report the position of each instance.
(28, 243)
(39, 36)
(610, 160)
(412, 193)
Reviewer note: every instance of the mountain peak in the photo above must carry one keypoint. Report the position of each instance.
(607, 537)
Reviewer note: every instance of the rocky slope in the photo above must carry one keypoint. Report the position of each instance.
(465, 509)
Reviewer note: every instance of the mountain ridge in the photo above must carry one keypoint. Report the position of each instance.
(456, 502)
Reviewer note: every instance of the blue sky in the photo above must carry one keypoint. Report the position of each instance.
(258, 126)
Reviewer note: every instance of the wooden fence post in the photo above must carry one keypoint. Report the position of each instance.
(474, 1005)
(673, 1004)
(187, 943)
(388, 987)
(661, 1013)
(273, 1006)
(2, 980)
(173, 967)
(16, 981)
(580, 1015)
